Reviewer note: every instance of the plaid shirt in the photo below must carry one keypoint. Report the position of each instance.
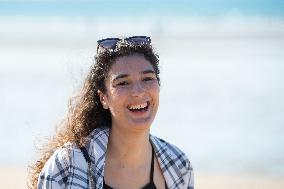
(67, 167)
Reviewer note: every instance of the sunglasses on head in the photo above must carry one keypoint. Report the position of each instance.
(110, 43)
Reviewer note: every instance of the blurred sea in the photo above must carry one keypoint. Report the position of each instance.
(221, 96)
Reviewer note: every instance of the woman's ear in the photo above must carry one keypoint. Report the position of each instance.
(103, 99)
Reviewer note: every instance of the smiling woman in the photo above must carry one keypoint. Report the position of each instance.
(132, 93)
(105, 140)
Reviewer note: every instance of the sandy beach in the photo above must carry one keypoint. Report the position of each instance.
(222, 181)
(14, 177)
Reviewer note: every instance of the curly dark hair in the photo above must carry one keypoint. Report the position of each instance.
(85, 111)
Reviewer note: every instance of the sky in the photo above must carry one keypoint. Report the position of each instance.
(215, 8)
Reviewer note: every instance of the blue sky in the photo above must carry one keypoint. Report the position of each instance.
(270, 8)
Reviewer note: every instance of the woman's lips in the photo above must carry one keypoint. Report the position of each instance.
(141, 107)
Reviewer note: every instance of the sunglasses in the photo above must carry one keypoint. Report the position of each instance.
(110, 43)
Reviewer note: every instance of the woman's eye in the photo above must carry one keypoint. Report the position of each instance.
(123, 83)
(148, 79)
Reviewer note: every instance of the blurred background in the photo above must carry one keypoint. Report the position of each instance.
(222, 65)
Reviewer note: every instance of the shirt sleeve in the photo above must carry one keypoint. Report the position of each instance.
(54, 174)
(190, 178)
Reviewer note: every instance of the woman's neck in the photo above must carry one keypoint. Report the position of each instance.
(129, 149)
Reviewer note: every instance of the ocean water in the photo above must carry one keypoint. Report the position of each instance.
(221, 95)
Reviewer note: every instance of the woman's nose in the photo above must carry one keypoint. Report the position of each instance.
(137, 89)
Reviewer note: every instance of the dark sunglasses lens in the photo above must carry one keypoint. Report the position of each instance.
(108, 43)
(139, 40)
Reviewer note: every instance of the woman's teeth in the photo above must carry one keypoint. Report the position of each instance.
(138, 106)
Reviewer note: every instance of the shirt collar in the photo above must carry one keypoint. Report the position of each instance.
(165, 155)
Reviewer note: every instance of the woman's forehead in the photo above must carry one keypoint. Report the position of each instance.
(130, 64)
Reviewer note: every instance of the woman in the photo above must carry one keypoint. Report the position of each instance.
(105, 141)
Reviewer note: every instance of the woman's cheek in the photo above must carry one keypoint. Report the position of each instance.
(155, 87)
(120, 92)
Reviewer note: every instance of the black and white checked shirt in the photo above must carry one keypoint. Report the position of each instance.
(67, 167)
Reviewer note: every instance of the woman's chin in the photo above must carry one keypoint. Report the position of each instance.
(140, 124)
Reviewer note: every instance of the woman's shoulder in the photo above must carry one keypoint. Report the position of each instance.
(171, 154)
(167, 147)
(175, 164)
(70, 153)
(60, 164)
(60, 159)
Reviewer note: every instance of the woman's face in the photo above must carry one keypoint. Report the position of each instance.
(132, 93)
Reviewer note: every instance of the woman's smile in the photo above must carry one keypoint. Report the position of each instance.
(139, 109)
(142, 107)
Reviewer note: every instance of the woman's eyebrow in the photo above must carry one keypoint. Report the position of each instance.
(147, 72)
(120, 76)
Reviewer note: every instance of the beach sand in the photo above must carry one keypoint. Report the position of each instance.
(14, 177)
(244, 181)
